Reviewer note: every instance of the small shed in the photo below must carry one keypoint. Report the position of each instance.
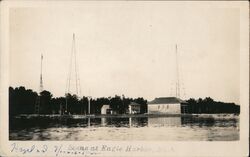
(134, 108)
(105, 109)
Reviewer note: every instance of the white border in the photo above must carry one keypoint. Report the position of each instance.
(180, 148)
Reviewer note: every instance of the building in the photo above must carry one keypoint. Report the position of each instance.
(106, 109)
(167, 105)
(134, 108)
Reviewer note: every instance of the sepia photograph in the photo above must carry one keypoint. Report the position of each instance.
(124, 71)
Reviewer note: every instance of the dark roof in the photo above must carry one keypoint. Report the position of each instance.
(166, 100)
(134, 104)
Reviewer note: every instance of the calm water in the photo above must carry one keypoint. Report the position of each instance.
(217, 127)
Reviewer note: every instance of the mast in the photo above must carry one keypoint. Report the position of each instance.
(74, 50)
(41, 74)
(38, 99)
(73, 71)
(177, 85)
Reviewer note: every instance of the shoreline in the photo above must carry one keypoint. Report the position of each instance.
(126, 115)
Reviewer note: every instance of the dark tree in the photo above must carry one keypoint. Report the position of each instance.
(143, 103)
(208, 105)
(45, 99)
(21, 101)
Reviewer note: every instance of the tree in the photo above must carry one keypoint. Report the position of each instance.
(143, 103)
(45, 99)
(21, 101)
(208, 105)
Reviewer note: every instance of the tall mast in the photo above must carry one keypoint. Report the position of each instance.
(73, 67)
(177, 86)
(38, 99)
(41, 74)
(73, 71)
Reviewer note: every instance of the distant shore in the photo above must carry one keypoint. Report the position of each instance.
(222, 115)
(22, 101)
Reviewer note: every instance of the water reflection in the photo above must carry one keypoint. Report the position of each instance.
(47, 122)
(51, 128)
(164, 121)
(18, 123)
(210, 121)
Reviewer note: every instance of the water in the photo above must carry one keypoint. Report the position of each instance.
(216, 127)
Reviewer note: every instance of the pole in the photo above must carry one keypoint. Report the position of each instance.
(74, 51)
(89, 105)
(66, 109)
(177, 73)
(41, 75)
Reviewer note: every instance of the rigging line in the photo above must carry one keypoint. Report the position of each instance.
(77, 73)
(74, 51)
(78, 77)
(70, 69)
(80, 92)
(177, 73)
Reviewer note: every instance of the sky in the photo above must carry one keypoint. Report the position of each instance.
(128, 48)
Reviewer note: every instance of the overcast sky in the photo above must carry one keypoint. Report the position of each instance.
(128, 48)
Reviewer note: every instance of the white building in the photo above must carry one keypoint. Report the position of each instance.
(166, 105)
(105, 109)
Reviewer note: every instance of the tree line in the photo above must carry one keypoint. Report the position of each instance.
(208, 105)
(22, 101)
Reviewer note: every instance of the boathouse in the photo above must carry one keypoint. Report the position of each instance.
(167, 105)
